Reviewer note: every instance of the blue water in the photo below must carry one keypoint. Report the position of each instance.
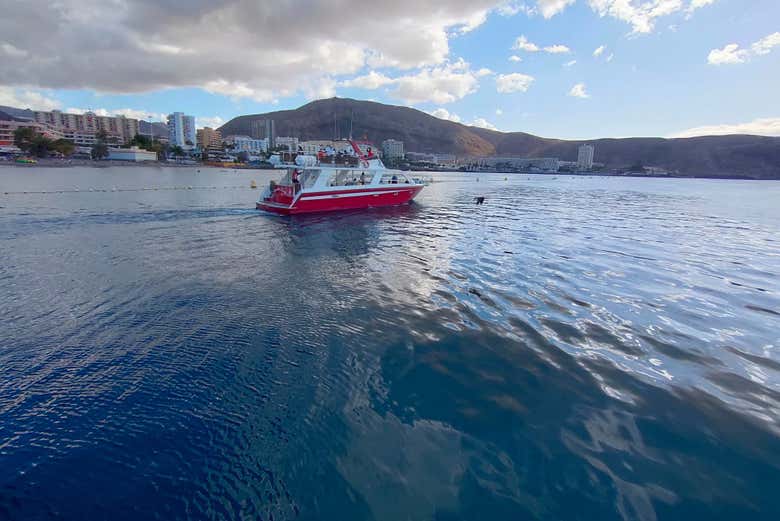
(575, 349)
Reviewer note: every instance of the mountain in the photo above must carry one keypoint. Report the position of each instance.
(755, 157)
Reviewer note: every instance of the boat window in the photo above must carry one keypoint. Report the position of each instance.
(309, 178)
(394, 178)
(348, 178)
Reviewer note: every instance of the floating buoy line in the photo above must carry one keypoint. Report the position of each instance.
(252, 186)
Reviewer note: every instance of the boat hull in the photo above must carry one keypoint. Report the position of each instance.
(331, 201)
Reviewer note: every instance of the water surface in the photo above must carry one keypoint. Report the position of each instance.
(576, 348)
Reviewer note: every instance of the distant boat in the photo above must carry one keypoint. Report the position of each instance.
(362, 181)
(26, 160)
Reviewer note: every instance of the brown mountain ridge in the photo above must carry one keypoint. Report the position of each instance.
(756, 157)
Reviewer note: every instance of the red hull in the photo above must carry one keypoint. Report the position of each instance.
(345, 200)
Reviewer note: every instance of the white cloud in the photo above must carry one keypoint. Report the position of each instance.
(515, 58)
(443, 113)
(550, 8)
(610, 57)
(696, 4)
(283, 50)
(372, 80)
(578, 91)
(766, 44)
(761, 127)
(514, 82)
(484, 71)
(522, 44)
(443, 84)
(730, 54)
(641, 14)
(557, 49)
(213, 122)
(570, 63)
(10, 50)
(599, 51)
(499, 112)
(511, 8)
(483, 123)
(26, 99)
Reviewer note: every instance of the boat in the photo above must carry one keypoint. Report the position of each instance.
(352, 181)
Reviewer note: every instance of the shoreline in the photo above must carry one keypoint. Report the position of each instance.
(89, 163)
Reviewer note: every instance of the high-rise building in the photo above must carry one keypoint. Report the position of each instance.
(181, 130)
(392, 149)
(120, 128)
(270, 133)
(585, 157)
(210, 140)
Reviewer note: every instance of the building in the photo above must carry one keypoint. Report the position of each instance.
(181, 131)
(247, 144)
(209, 138)
(131, 154)
(585, 157)
(270, 133)
(120, 129)
(520, 164)
(283, 141)
(392, 149)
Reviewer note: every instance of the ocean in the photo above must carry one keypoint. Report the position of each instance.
(577, 348)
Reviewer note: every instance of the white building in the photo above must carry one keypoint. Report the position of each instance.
(392, 149)
(585, 157)
(290, 142)
(131, 154)
(181, 131)
(247, 144)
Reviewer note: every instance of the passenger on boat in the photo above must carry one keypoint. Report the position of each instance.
(394, 180)
(296, 182)
(362, 178)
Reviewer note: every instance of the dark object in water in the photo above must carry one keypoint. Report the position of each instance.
(480, 200)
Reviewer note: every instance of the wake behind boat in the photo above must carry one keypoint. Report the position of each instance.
(349, 181)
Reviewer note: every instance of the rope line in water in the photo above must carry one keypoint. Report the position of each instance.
(105, 190)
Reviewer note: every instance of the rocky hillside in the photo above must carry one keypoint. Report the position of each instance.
(722, 156)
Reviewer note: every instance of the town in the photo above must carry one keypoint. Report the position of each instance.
(29, 135)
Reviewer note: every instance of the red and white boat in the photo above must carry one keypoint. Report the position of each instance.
(345, 182)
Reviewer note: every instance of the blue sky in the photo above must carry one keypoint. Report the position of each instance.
(667, 68)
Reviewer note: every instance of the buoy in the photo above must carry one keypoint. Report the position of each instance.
(253, 184)
(506, 179)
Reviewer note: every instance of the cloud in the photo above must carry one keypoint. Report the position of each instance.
(443, 84)
(642, 14)
(550, 8)
(732, 53)
(599, 51)
(499, 112)
(514, 82)
(610, 57)
(522, 44)
(238, 48)
(570, 63)
(515, 58)
(557, 49)
(512, 8)
(766, 44)
(578, 91)
(213, 122)
(372, 80)
(483, 123)
(145, 115)
(27, 99)
(443, 113)
(760, 127)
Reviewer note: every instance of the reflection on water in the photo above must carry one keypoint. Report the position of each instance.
(575, 348)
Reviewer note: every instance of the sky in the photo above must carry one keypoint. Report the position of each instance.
(572, 69)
